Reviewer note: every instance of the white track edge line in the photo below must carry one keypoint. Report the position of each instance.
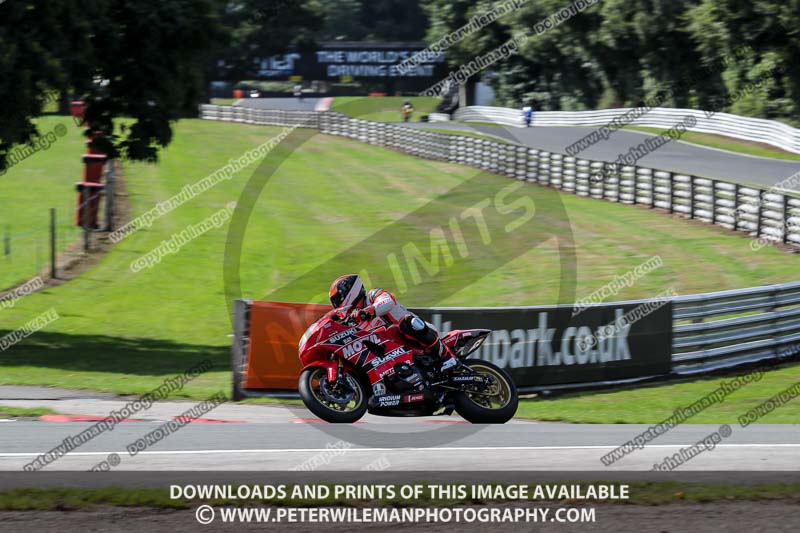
(449, 449)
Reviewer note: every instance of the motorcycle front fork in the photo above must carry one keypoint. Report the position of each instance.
(340, 379)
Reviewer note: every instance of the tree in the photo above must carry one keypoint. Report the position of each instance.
(770, 28)
(621, 52)
(145, 60)
(28, 33)
(393, 20)
(342, 20)
(261, 28)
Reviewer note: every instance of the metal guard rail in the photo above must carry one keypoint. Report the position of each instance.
(711, 331)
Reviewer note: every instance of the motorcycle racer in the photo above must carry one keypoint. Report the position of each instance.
(348, 292)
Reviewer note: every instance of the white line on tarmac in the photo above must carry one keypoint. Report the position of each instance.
(349, 450)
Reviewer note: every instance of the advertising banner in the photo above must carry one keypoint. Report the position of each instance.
(335, 61)
(549, 346)
(538, 346)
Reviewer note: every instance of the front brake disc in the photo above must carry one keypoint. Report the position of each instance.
(340, 400)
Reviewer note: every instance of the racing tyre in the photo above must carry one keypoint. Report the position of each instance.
(336, 404)
(496, 404)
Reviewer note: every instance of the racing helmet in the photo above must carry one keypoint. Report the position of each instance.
(347, 290)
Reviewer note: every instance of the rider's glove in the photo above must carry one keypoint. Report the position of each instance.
(361, 314)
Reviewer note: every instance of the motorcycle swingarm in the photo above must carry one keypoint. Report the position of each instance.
(457, 382)
(462, 379)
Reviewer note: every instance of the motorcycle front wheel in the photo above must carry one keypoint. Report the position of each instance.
(344, 403)
(495, 404)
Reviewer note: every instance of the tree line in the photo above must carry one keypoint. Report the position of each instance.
(151, 60)
(620, 53)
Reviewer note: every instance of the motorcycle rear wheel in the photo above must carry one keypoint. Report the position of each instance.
(315, 399)
(495, 405)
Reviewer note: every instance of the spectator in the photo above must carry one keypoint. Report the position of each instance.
(407, 110)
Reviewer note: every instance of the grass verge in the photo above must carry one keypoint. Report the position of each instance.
(125, 332)
(383, 108)
(24, 412)
(649, 404)
(224, 101)
(727, 143)
(705, 139)
(28, 190)
(467, 133)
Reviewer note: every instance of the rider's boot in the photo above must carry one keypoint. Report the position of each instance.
(443, 357)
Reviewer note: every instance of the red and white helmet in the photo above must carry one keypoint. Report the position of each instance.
(347, 290)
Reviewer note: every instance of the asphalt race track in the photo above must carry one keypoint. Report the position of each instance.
(284, 104)
(273, 438)
(676, 156)
(248, 437)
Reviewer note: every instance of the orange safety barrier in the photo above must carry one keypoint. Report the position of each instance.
(78, 110)
(275, 331)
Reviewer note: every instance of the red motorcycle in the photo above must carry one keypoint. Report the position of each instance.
(350, 368)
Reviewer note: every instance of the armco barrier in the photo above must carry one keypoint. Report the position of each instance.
(759, 130)
(729, 328)
(766, 214)
(539, 345)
